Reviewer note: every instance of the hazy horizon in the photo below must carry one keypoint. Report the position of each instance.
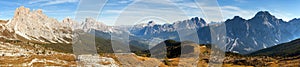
(61, 9)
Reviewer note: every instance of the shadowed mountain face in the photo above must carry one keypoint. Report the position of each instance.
(261, 31)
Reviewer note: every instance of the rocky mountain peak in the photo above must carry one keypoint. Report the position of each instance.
(151, 23)
(66, 20)
(90, 20)
(265, 14)
(265, 18)
(21, 11)
(295, 20)
(202, 20)
(70, 23)
(237, 17)
(236, 20)
(198, 21)
(39, 11)
(91, 23)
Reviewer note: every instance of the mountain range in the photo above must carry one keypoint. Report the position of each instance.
(243, 35)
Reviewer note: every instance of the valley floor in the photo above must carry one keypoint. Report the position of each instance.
(17, 55)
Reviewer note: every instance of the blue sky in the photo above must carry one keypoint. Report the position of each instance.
(168, 10)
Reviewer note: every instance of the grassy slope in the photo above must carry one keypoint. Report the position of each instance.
(102, 45)
(288, 49)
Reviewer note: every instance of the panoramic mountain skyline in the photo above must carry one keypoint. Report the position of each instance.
(112, 9)
(243, 36)
(152, 33)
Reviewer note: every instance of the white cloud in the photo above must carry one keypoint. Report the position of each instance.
(231, 8)
(57, 11)
(124, 1)
(213, 10)
(146, 9)
(231, 11)
(37, 1)
(59, 2)
(112, 11)
(89, 9)
(169, 11)
(51, 2)
(9, 3)
(166, 9)
(210, 10)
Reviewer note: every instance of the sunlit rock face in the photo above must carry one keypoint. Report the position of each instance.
(36, 26)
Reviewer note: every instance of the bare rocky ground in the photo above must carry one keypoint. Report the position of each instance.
(34, 55)
(16, 55)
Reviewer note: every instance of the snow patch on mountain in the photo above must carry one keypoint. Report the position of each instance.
(266, 22)
(235, 43)
(255, 42)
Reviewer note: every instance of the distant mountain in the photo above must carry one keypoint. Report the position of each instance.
(293, 27)
(150, 30)
(288, 49)
(243, 36)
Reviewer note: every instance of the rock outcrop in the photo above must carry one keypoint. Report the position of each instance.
(36, 26)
